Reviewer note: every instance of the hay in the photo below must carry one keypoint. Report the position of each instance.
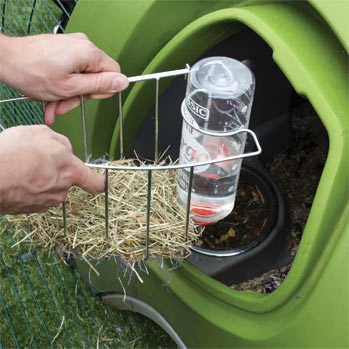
(85, 225)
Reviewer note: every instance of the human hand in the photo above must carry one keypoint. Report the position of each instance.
(58, 68)
(37, 168)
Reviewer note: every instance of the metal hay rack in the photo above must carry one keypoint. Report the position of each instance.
(149, 168)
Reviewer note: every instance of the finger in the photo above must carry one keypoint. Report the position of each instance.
(98, 83)
(82, 36)
(87, 179)
(67, 105)
(50, 112)
(98, 61)
(50, 198)
(28, 209)
(43, 209)
(55, 198)
(101, 96)
(63, 140)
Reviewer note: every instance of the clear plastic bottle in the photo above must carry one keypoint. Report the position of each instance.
(218, 99)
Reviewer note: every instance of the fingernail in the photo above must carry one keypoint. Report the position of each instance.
(119, 83)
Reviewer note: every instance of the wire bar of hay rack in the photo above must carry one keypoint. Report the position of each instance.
(150, 168)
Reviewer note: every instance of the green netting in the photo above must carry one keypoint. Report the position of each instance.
(44, 304)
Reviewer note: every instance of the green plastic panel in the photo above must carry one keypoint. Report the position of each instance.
(335, 13)
(310, 308)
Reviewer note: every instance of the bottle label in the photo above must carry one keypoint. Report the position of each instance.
(197, 109)
(191, 150)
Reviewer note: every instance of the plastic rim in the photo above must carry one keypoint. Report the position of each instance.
(269, 195)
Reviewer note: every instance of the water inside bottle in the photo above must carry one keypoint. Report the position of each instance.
(212, 197)
(214, 186)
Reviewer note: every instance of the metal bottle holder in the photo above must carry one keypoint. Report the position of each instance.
(150, 168)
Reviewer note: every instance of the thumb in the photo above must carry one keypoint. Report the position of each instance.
(87, 179)
(98, 83)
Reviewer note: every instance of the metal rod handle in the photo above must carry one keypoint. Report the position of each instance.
(64, 219)
(148, 214)
(156, 152)
(84, 127)
(121, 127)
(106, 195)
(187, 213)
